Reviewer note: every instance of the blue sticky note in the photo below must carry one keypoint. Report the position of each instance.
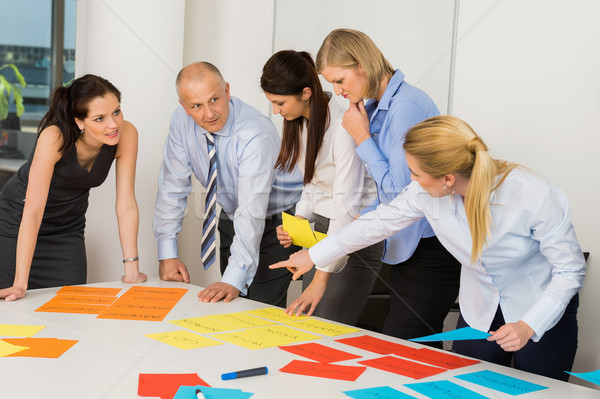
(378, 393)
(444, 390)
(501, 382)
(188, 392)
(456, 335)
(592, 376)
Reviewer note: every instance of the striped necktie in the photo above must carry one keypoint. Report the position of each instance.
(210, 207)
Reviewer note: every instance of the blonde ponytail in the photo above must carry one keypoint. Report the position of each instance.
(447, 145)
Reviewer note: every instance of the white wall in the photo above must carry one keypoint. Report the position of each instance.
(138, 46)
(527, 80)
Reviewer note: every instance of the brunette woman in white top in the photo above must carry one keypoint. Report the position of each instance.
(336, 185)
(510, 228)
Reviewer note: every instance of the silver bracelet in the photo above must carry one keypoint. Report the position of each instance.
(131, 259)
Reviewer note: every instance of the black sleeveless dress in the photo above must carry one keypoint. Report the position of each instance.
(59, 258)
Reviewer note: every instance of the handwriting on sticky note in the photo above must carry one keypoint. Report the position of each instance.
(71, 308)
(441, 359)
(240, 320)
(377, 345)
(265, 337)
(77, 290)
(501, 382)
(275, 314)
(384, 392)
(203, 325)
(144, 303)
(324, 370)
(319, 353)
(184, 339)
(444, 390)
(402, 367)
(323, 327)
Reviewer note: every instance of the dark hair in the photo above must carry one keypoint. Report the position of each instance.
(286, 73)
(70, 102)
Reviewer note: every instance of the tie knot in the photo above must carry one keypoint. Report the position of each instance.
(210, 138)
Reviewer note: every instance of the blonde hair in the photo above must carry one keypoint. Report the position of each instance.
(447, 145)
(348, 48)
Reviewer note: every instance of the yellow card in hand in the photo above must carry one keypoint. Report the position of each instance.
(300, 231)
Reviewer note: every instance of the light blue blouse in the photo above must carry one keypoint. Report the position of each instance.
(401, 107)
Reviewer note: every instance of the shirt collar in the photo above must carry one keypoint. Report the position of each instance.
(391, 89)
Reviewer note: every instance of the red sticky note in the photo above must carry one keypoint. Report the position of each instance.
(441, 359)
(319, 353)
(165, 386)
(324, 370)
(403, 367)
(41, 347)
(377, 345)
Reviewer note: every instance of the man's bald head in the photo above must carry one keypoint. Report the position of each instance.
(196, 72)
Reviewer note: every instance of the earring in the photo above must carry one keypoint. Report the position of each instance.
(306, 99)
(81, 131)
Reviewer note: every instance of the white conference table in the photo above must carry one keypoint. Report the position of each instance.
(110, 355)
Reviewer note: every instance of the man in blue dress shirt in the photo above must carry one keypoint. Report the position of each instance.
(251, 193)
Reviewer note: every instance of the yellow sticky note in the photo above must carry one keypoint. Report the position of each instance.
(15, 330)
(240, 320)
(322, 327)
(276, 314)
(8, 349)
(184, 339)
(203, 325)
(320, 236)
(265, 337)
(299, 229)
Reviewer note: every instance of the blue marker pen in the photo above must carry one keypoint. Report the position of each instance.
(245, 373)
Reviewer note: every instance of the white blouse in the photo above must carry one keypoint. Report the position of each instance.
(340, 186)
(531, 265)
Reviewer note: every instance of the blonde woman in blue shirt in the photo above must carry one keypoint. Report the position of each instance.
(336, 185)
(424, 277)
(510, 228)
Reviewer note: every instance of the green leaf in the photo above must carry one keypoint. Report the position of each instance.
(3, 107)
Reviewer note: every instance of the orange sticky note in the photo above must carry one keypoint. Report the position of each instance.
(319, 353)
(41, 347)
(83, 299)
(71, 308)
(324, 370)
(78, 290)
(144, 303)
(165, 386)
(403, 367)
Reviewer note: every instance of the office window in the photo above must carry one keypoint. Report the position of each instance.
(33, 34)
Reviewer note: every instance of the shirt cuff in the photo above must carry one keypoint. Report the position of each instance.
(238, 278)
(335, 267)
(539, 318)
(167, 249)
(325, 253)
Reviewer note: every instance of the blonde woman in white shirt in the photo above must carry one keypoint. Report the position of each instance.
(336, 185)
(522, 266)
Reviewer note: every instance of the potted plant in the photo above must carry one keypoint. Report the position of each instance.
(6, 88)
